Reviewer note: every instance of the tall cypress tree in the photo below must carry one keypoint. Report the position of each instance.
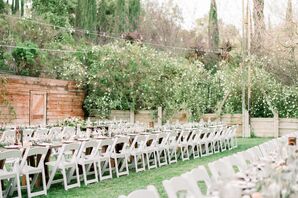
(120, 16)
(102, 16)
(2, 6)
(259, 26)
(134, 11)
(86, 14)
(213, 31)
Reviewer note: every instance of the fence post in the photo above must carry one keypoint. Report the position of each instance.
(132, 116)
(276, 124)
(159, 116)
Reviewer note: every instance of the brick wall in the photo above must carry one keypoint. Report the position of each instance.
(63, 99)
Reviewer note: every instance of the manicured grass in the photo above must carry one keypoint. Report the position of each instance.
(126, 184)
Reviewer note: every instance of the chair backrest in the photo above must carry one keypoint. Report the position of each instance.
(184, 135)
(14, 157)
(91, 146)
(68, 132)
(224, 169)
(38, 152)
(27, 134)
(151, 140)
(179, 187)
(162, 139)
(105, 146)
(8, 136)
(238, 161)
(172, 138)
(197, 175)
(69, 152)
(55, 131)
(138, 143)
(41, 133)
(120, 145)
(149, 192)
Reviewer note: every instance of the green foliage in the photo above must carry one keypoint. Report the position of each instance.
(86, 14)
(26, 59)
(2, 7)
(57, 12)
(120, 16)
(7, 111)
(124, 76)
(134, 11)
(213, 31)
(267, 94)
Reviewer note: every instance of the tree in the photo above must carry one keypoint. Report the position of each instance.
(134, 11)
(259, 26)
(2, 6)
(86, 14)
(213, 31)
(120, 16)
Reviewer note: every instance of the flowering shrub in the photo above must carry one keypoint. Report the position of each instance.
(124, 76)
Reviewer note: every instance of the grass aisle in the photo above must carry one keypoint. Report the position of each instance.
(124, 185)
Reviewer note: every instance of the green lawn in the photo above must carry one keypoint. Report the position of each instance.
(124, 185)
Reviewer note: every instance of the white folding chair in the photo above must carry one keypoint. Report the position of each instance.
(41, 134)
(161, 149)
(120, 153)
(150, 151)
(149, 192)
(221, 170)
(8, 136)
(137, 151)
(10, 172)
(194, 142)
(104, 159)
(238, 161)
(206, 142)
(197, 175)
(55, 132)
(68, 133)
(39, 155)
(183, 144)
(171, 146)
(87, 156)
(27, 134)
(179, 187)
(66, 161)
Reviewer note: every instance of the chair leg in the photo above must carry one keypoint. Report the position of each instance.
(64, 178)
(1, 193)
(43, 175)
(84, 174)
(28, 185)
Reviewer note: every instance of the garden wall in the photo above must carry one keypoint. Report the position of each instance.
(41, 101)
(260, 127)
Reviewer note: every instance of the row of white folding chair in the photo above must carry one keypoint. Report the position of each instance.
(19, 165)
(186, 185)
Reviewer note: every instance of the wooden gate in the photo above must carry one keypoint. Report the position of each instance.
(38, 108)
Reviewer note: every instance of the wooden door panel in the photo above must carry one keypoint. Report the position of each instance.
(38, 108)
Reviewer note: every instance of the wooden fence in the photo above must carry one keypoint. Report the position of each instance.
(40, 101)
(260, 127)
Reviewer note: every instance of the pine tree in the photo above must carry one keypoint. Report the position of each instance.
(134, 10)
(120, 16)
(213, 31)
(86, 14)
